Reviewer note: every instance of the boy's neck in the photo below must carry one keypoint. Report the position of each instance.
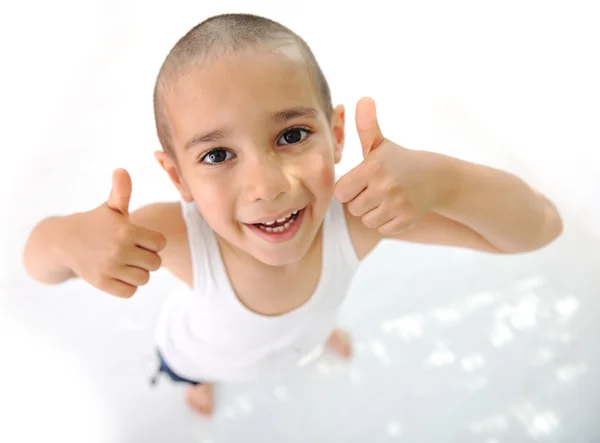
(273, 290)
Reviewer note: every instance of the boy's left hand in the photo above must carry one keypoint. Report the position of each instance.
(393, 187)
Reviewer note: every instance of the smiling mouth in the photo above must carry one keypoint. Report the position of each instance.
(279, 225)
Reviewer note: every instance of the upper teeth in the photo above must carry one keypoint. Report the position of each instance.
(282, 219)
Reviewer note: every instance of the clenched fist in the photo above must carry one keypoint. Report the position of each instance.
(105, 249)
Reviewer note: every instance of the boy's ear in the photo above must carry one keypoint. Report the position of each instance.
(170, 166)
(338, 120)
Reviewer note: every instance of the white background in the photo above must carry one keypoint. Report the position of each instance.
(512, 84)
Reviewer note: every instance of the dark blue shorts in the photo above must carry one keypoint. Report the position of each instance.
(164, 368)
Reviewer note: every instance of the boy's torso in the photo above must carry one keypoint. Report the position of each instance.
(240, 320)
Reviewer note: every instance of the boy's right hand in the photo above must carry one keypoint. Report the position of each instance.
(105, 249)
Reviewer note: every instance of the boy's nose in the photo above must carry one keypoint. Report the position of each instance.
(264, 179)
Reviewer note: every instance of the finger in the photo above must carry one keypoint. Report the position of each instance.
(149, 239)
(132, 275)
(142, 258)
(364, 202)
(120, 194)
(367, 126)
(351, 184)
(117, 288)
(395, 226)
(378, 216)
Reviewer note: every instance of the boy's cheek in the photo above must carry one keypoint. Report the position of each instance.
(210, 200)
(321, 170)
(327, 178)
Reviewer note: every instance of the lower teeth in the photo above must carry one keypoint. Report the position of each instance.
(279, 228)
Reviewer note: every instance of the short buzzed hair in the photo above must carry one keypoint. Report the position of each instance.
(223, 35)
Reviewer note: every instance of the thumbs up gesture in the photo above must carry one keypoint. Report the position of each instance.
(393, 187)
(120, 193)
(107, 250)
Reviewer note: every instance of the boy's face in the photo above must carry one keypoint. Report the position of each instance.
(254, 146)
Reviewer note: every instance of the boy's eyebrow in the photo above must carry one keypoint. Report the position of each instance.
(212, 136)
(291, 113)
(278, 117)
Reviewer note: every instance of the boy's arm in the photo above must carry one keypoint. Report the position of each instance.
(46, 256)
(432, 229)
(42, 258)
(112, 249)
(482, 209)
(431, 198)
(502, 208)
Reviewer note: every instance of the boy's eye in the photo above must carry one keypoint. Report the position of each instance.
(214, 156)
(294, 135)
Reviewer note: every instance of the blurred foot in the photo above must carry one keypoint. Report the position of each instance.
(339, 342)
(200, 398)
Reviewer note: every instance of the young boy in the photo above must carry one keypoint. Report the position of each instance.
(264, 236)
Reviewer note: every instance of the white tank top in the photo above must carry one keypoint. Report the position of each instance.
(207, 334)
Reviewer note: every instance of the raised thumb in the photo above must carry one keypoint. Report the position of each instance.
(120, 194)
(367, 125)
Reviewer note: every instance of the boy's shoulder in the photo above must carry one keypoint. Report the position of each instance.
(166, 218)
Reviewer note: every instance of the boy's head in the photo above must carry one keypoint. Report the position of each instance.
(244, 115)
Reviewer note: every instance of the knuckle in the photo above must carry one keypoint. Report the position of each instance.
(124, 232)
(399, 200)
(115, 250)
(120, 231)
(369, 222)
(392, 188)
(376, 166)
